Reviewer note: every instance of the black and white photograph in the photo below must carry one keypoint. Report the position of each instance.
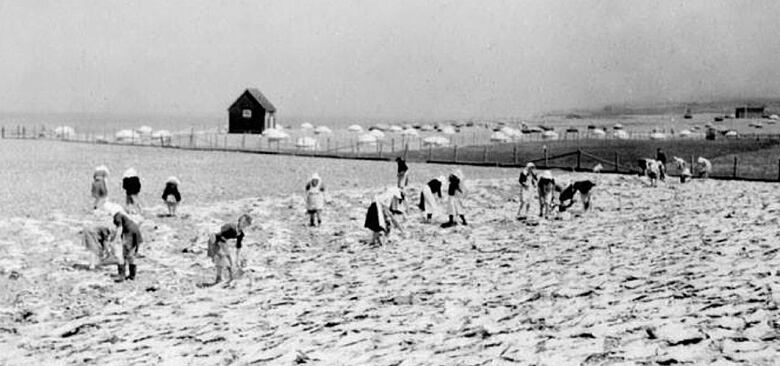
(390, 183)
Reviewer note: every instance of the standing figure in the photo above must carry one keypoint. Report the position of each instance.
(219, 251)
(455, 192)
(99, 186)
(379, 216)
(97, 241)
(660, 156)
(546, 187)
(171, 195)
(704, 167)
(132, 186)
(527, 181)
(403, 181)
(315, 199)
(131, 242)
(430, 197)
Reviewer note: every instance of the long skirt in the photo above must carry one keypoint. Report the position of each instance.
(428, 203)
(456, 206)
(219, 251)
(375, 219)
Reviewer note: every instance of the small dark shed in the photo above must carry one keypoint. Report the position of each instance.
(251, 113)
(749, 112)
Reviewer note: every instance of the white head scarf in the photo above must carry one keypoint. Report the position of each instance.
(173, 180)
(129, 173)
(386, 197)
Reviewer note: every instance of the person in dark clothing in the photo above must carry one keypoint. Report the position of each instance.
(660, 156)
(455, 192)
(171, 195)
(566, 198)
(403, 183)
(132, 186)
(430, 197)
(131, 242)
(219, 251)
(379, 216)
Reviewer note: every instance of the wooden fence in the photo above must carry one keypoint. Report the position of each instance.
(580, 155)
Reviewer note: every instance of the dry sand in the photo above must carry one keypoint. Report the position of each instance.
(676, 274)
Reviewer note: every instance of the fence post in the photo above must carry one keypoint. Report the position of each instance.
(617, 163)
(692, 170)
(24, 132)
(225, 141)
(579, 159)
(546, 157)
(514, 154)
(3, 131)
(243, 140)
(455, 154)
(734, 173)
(484, 154)
(381, 145)
(406, 150)
(430, 152)
(778, 169)
(392, 146)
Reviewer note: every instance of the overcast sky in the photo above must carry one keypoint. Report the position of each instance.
(409, 59)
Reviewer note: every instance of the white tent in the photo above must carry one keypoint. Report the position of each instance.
(448, 130)
(323, 130)
(617, 126)
(162, 135)
(550, 135)
(731, 134)
(395, 129)
(127, 136)
(499, 136)
(367, 139)
(273, 134)
(306, 143)
(379, 135)
(410, 132)
(774, 116)
(426, 128)
(621, 135)
(64, 132)
(436, 141)
(145, 130)
(306, 126)
(684, 133)
(598, 132)
(355, 128)
(511, 132)
(657, 136)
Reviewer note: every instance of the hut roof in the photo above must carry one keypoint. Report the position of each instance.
(259, 98)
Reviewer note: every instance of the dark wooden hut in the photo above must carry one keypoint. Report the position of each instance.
(251, 113)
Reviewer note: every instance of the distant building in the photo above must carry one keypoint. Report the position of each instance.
(749, 112)
(251, 113)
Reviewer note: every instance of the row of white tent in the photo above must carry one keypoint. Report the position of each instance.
(408, 130)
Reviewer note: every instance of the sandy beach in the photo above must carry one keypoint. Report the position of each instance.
(674, 274)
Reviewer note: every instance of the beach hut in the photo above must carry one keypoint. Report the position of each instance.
(306, 143)
(64, 132)
(251, 113)
(355, 128)
(323, 130)
(749, 112)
